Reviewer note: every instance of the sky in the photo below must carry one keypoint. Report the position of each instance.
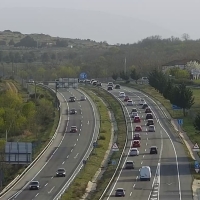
(160, 17)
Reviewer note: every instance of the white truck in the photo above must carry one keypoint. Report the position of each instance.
(145, 173)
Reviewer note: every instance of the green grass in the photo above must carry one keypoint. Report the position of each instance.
(79, 185)
(188, 127)
(115, 106)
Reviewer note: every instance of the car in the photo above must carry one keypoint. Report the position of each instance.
(73, 129)
(99, 84)
(60, 172)
(136, 119)
(130, 102)
(148, 110)
(144, 106)
(151, 128)
(136, 136)
(135, 143)
(134, 110)
(31, 81)
(150, 122)
(110, 88)
(133, 114)
(83, 98)
(117, 86)
(153, 150)
(72, 99)
(120, 192)
(94, 83)
(142, 101)
(149, 116)
(145, 173)
(122, 95)
(73, 111)
(134, 151)
(126, 98)
(129, 164)
(34, 185)
(110, 84)
(138, 128)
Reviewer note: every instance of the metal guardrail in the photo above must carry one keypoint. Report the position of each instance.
(17, 179)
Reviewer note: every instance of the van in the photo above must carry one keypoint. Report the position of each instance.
(145, 173)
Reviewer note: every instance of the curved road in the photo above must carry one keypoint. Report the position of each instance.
(68, 153)
(171, 178)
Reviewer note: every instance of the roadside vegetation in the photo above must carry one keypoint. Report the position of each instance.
(24, 118)
(78, 187)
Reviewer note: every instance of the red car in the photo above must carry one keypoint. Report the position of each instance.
(148, 110)
(138, 128)
(136, 136)
(73, 129)
(135, 143)
(126, 98)
(136, 119)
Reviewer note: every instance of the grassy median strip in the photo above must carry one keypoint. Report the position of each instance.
(188, 127)
(119, 137)
(79, 185)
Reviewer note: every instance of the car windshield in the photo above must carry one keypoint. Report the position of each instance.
(73, 127)
(61, 170)
(119, 190)
(34, 183)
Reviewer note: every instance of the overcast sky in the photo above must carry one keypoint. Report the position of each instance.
(175, 16)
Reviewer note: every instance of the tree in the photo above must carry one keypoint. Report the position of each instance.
(182, 97)
(45, 57)
(11, 42)
(61, 43)
(167, 93)
(196, 122)
(134, 75)
(124, 76)
(185, 36)
(115, 76)
(26, 42)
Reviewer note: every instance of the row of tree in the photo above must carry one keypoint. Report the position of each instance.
(178, 95)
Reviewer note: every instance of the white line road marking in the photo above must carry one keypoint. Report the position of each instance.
(36, 194)
(141, 162)
(68, 156)
(131, 193)
(79, 134)
(134, 186)
(81, 124)
(88, 122)
(71, 150)
(74, 144)
(45, 184)
(145, 150)
(63, 162)
(147, 138)
(77, 139)
(51, 190)
(76, 155)
(146, 144)
(136, 177)
(52, 177)
(143, 156)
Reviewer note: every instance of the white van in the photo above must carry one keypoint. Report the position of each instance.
(145, 173)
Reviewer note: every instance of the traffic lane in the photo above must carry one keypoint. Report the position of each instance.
(129, 178)
(54, 160)
(183, 167)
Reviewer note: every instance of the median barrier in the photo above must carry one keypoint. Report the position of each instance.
(31, 165)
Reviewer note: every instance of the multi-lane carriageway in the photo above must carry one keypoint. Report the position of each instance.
(171, 178)
(68, 151)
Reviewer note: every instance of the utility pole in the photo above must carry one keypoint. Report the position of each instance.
(35, 90)
(125, 66)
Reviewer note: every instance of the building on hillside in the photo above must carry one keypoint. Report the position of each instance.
(195, 74)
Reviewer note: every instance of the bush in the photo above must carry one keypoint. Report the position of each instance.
(102, 137)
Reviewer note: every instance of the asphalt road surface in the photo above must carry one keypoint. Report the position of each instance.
(68, 153)
(171, 178)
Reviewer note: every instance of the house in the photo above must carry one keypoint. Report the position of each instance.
(195, 73)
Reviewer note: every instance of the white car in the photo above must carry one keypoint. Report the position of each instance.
(133, 114)
(134, 152)
(130, 102)
(83, 98)
(151, 128)
(122, 95)
(142, 101)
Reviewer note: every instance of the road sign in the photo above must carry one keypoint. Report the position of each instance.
(83, 75)
(196, 166)
(174, 107)
(195, 147)
(114, 162)
(180, 121)
(95, 144)
(197, 170)
(115, 147)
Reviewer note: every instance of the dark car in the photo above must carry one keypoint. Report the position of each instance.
(73, 129)
(117, 86)
(73, 111)
(99, 84)
(60, 172)
(149, 116)
(150, 122)
(72, 99)
(34, 185)
(110, 88)
(120, 192)
(148, 110)
(144, 106)
(153, 150)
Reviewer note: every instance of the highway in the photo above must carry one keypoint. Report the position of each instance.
(171, 178)
(68, 153)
